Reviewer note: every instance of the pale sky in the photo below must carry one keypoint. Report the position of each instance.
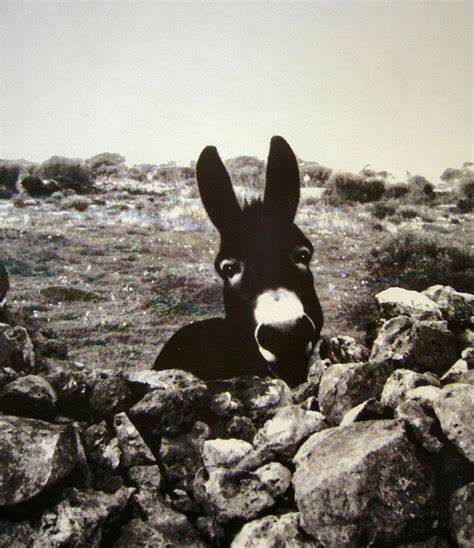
(346, 83)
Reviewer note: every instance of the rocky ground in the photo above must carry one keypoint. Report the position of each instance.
(376, 448)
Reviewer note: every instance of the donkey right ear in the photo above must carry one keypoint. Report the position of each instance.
(216, 190)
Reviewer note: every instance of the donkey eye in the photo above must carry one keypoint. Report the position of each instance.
(302, 255)
(229, 268)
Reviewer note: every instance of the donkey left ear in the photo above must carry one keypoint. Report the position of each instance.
(282, 190)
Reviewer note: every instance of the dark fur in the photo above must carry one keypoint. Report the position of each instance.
(263, 237)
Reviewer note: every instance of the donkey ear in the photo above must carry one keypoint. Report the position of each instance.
(282, 190)
(216, 190)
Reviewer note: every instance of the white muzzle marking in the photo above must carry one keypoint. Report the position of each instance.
(278, 307)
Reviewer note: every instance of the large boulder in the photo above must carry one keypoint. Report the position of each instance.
(30, 396)
(368, 410)
(34, 455)
(363, 484)
(421, 345)
(82, 518)
(422, 425)
(16, 349)
(456, 308)
(284, 530)
(343, 386)
(343, 349)
(397, 301)
(134, 450)
(455, 411)
(110, 396)
(400, 382)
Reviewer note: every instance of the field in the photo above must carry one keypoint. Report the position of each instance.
(115, 280)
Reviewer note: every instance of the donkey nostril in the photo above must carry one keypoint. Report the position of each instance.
(286, 338)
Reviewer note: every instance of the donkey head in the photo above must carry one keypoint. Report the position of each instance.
(264, 259)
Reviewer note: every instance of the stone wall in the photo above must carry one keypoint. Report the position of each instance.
(376, 448)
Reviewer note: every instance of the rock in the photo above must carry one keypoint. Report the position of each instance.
(424, 395)
(170, 409)
(455, 372)
(148, 477)
(343, 349)
(455, 411)
(468, 356)
(34, 456)
(4, 282)
(461, 507)
(456, 308)
(283, 530)
(7, 375)
(343, 386)
(283, 434)
(468, 377)
(465, 338)
(30, 396)
(249, 396)
(367, 411)
(110, 396)
(431, 542)
(103, 453)
(182, 502)
(172, 524)
(225, 453)
(143, 382)
(423, 426)
(73, 384)
(241, 428)
(400, 382)
(16, 349)
(181, 457)
(134, 450)
(244, 496)
(363, 484)
(396, 301)
(140, 533)
(421, 345)
(82, 518)
(15, 534)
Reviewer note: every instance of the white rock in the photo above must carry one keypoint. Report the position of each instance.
(397, 301)
(220, 452)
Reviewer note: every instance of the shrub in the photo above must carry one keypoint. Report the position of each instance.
(173, 174)
(397, 190)
(78, 203)
(12, 170)
(64, 170)
(416, 262)
(350, 188)
(384, 209)
(421, 191)
(313, 174)
(247, 171)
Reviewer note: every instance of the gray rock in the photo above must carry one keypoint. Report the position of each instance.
(110, 396)
(468, 377)
(400, 382)
(423, 426)
(139, 533)
(468, 356)
(181, 457)
(103, 453)
(283, 530)
(7, 375)
(224, 453)
(4, 282)
(16, 349)
(397, 301)
(424, 395)
(455, 411)
(30, 396)
(455, 372)
(244, 496)
(362, 484)
(15, 534)
(249, 396)
(367, 411)
(465, 337)
(34, 455)
(172, 524)
(143, 382)
(81, 518)
(457, 308)
(73, 384)
(148, 477)
(241, 428)
(283, 434)
(461, 507)
(343, 386)
(170, 409)
(134, 450)
(420, 345)
(343, 349)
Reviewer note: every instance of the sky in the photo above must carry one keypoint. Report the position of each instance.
(388, 84)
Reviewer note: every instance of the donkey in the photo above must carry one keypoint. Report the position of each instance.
(273, 317)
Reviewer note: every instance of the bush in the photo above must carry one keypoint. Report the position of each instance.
(173, 174)
(312, 174)
(78, 203)
(421, 191)
(380, 210)
(63, 170)
(247, 171)
(350, 188)
(396, 191)
(416, 262)
(12, 170)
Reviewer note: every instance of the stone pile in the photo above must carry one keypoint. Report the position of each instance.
(376, 448)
